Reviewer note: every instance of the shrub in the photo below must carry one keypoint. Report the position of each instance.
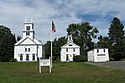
(79, 58)
(13, 60)
(122, 59)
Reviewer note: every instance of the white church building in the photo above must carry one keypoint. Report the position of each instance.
(98, 55)
(28, 48)
(69, 50)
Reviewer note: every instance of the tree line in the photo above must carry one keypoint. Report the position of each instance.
(7, 41)
(83, 35)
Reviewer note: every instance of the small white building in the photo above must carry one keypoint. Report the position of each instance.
(28, 48)
(98, 55)
(69, 50)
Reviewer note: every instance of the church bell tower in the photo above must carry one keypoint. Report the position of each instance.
(28, 30)
(70, 40)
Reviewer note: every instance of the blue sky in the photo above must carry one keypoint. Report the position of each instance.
(99, 13)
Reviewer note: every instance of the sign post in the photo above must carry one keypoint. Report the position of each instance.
(44, 62)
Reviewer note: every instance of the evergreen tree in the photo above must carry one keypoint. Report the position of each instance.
(103, 42)
(57, 43)
(7, 41)
(116, 39)
(19, 38)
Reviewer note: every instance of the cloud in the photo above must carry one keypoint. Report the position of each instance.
(64, 12)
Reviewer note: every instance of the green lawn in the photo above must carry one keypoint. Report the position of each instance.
(16, 72)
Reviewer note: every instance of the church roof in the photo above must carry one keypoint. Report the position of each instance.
(28, 41)
(70, 45)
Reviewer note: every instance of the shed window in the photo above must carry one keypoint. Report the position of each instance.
(101, 55)
(104, 50)
(97, 50)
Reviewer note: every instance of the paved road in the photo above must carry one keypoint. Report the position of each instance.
(114, 64)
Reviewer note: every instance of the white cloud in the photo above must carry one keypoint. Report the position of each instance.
(64, 12)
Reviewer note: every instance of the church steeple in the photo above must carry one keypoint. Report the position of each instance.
(70, 39)
(28, 30)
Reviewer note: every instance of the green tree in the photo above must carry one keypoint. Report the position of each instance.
(57, 43)
(103, 42)
(57, 46)
(7, 41)
(18, 38)
(116, 39)
(47, 46)
(83, 34)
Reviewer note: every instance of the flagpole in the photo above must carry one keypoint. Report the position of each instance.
(52, 30)
(51, 49)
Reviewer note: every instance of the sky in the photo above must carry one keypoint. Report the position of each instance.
(99, 13)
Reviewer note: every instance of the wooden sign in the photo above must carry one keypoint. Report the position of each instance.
(44, 62)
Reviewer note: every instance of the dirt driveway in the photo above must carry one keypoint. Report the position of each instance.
(113, 64)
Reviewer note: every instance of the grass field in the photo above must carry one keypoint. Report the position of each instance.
(62, 73)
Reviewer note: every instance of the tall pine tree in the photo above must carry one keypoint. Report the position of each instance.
(116, 39)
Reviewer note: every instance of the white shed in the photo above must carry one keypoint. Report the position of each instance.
(98, 55)
(69, 50)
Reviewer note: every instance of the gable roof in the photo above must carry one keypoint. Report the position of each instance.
(37, 42)
(28, 41)
(70, 45)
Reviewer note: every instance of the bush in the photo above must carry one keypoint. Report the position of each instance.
(123, 59)
(13, 60)
(79, 58)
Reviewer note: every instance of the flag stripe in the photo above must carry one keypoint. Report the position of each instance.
(53, 27)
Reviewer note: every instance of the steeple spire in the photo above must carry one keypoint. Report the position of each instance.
(70, 39)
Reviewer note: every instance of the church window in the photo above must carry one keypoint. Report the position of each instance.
(66, 49)
(70, 45)
(21, 57)
(27, 33)
(29, 49)
(27, 57)
(73, 55)
(33, 56)
(67, 58)
(73, 49)
(27, 28)
(25, 49)
(69, 38)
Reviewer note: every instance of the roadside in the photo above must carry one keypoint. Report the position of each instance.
(113, 64)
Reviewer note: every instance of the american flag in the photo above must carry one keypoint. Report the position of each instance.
(53, 27)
